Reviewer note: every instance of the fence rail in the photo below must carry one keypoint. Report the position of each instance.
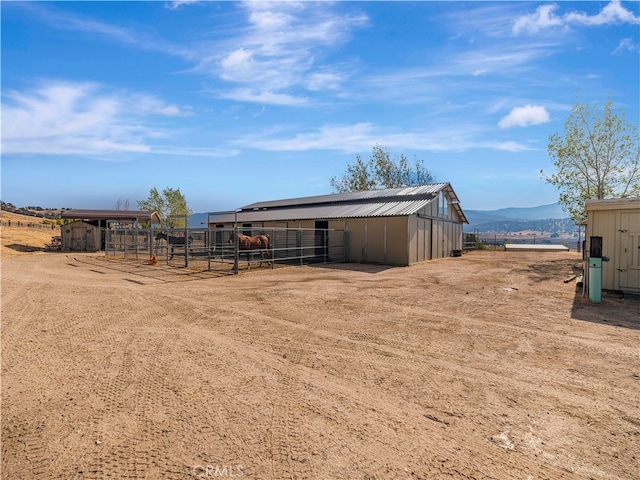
(20, 223)
(213, 248)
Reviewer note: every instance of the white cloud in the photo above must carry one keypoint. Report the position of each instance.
(626, 44)
(80, 118)
(278, 50)
(511, 147)
(524, 116)
(545, 17)
(264, 97)
(64, 20)
(359, 137)
(179, 3)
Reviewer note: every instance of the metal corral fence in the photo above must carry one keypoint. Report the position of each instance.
(216, 248)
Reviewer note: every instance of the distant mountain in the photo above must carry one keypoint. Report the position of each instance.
(513, 219)
(542, 212)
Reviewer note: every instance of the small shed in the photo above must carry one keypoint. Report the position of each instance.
(80, 236)
(397, 226)
(86, 230)
(617, 222)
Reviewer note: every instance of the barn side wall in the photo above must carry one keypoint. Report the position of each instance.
(435, 231)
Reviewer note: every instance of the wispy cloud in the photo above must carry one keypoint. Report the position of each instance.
(525, 116)
(264, 97)
(65, 20)
(180, 3)
(545, 17)
(626, 44)
(360, 137)
(81, 119)
(279, 51)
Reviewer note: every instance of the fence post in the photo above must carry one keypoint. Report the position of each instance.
(300, 242)
(186, 242)
(236, 248)
(272, 248)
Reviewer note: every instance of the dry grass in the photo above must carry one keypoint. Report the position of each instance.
(16, 240)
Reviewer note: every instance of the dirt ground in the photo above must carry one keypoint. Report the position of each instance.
(483, 366)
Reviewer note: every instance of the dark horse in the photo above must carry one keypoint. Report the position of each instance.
(173, 241)
(250, 244)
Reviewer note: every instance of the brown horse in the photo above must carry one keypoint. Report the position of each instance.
(251, 244)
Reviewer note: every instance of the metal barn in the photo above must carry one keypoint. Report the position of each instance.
(617, 222)
(399, 226)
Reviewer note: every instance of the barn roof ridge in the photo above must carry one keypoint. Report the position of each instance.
(399, 194)
(370, 203)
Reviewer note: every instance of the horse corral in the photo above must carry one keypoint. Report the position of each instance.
(217, 249)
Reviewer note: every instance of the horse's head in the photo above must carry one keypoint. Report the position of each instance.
(161, 236)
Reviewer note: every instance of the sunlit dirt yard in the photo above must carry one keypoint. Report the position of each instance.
(484, 366)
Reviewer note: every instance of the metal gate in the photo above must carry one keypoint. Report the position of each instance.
(214, 248)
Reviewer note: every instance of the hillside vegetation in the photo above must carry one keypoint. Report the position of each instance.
(551, 226)
(24, 233)
(32, 211)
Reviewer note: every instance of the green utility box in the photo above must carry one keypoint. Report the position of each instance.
(595, 279)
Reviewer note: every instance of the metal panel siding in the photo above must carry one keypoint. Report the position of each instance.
(412, 240)
(602, 223)
(397, 240)
(376, 240)
(357, 240)
(421, 242)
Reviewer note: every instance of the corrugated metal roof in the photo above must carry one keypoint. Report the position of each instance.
(368, 195)
(372, 203)
(131, 215)
(373, 209)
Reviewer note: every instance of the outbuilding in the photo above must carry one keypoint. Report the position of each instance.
(398, 226)
(617, 223)
(85, 231)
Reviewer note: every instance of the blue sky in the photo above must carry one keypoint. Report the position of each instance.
(238, 102)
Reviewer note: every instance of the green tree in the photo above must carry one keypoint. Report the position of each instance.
(597, 157)
(170, 205)
(381, 171)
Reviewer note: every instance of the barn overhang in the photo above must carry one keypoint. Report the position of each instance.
(114, 215)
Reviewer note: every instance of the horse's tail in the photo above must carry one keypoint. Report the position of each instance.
(267, 247)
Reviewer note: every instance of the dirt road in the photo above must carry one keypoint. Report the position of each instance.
(484, 366)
